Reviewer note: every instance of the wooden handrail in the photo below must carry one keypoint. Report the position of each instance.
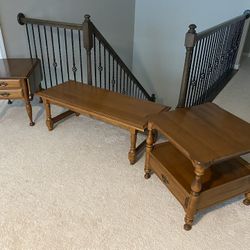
(25, 20)
(212, 30)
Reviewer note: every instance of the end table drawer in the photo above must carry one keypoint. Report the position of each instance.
(6, 84)
(11, 94)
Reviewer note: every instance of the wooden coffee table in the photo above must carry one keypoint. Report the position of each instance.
(114, 108)
(201, 163)
(20, 78)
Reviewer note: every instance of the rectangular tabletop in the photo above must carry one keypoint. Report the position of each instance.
(98, 102)
(17, 67)
(206, 133)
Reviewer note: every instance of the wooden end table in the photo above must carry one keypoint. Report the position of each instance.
(20, 79)
(200, 164)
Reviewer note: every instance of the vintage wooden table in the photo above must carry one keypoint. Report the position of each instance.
(120, 110)
(200, 163)
(20, 79)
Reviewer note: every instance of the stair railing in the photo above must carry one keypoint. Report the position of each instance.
(60, 45)
(210, 60)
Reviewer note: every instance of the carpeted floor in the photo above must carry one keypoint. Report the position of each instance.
(73, 188)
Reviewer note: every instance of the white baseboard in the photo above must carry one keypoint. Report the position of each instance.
(236, 66)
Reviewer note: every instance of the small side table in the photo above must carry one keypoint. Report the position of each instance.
(20, 79)
(200, 164)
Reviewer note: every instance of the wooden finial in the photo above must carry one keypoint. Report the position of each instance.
(192, 28)
(87, 17)
(247, 13)
(20, 16)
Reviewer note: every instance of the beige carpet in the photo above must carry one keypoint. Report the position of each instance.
(73, 188)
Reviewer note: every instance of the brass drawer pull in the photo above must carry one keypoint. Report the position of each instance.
(5, 94)
(164, 179)
(3, 84)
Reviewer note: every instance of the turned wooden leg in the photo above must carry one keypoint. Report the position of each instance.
(40, 98)
(29, 112)
(10, 102)
(149, 146)
(194, 197)
(27, 102)
(132, 151)
(31, 97)
(155, 135)
(247, 200)
(49, 121)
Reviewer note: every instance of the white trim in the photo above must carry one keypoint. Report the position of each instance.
(236, 66)
(2, 48)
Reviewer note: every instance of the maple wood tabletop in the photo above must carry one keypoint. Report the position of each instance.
(101, 102)
(206, 134)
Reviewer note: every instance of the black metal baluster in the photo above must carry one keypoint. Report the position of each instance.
(66, 52)
(28, 37)
(123, 83)
(109, 71)
(42, 58)
(130, 87)
(217, 71)
(113, 77)
(105, 75)
(100, 68)
(213, 62)
(134, 89)
(200, 65)
(117, 76)
(95, 59)
(120, 80)
(53, 52)
(194, 80)
(201, 75)
(74, 69)
(127, 93)
(60, 53)
(231, 44)
(34, 39)
(48, 57)
(80, 54)
(208, 67)
(205, 68)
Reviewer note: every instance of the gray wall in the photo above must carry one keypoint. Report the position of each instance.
(114, 18)
(160, 27)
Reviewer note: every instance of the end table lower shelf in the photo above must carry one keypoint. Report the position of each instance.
(220, 182)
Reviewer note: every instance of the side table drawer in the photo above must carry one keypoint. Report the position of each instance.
(11, 93)
(6, 84)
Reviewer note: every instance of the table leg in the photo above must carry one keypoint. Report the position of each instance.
(194, 197)
(247, 200)
(40, 98)
(49, 121)
(149, 147)
(29, 112)
(132, 151)
(27, 102)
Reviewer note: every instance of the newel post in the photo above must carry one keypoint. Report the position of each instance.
(88, 45)
(190, 41)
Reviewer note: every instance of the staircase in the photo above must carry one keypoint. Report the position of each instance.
(79, 52)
